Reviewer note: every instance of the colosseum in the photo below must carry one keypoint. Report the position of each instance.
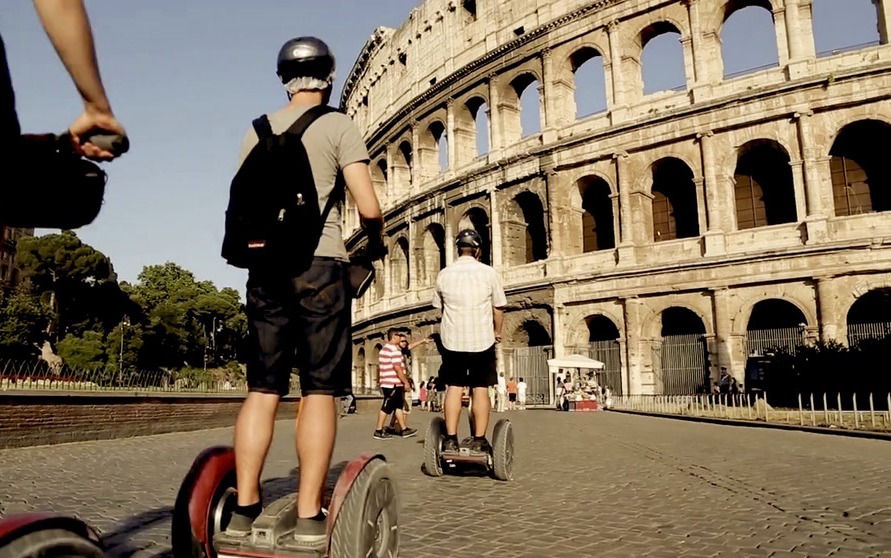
(667, 233)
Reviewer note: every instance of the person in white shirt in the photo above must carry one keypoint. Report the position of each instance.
(501, 393)
(521, 394)
(471, 298)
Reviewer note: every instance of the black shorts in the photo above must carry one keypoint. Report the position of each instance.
(512, 397)
(468, 369)
(300, 322)
(394, 399)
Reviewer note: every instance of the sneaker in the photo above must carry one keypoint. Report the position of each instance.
(239, 525)
(450, 445)
(391, 431)
(311, 534)
(381, 435)
(480, 447)
(408, 432)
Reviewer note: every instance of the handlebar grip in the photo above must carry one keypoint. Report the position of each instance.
(114, 143)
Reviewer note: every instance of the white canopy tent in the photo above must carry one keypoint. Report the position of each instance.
(569, 362)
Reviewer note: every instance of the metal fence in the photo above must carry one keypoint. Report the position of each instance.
(610, 354)
(859, 412)
(761, 341)
(680, 364)
(30, 375)
(862, 332)
(531, 364)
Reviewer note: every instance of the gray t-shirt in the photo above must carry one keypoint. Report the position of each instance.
(332, 142)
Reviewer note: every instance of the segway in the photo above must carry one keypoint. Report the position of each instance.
(499, 461)
(362, 513)
(42, 535)
(59, 188)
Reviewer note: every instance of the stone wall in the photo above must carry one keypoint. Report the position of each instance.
(39, 419)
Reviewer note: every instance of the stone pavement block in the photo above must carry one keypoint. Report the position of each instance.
(607, 485)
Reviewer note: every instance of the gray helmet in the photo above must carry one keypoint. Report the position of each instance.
(469, 237)
(305, 57)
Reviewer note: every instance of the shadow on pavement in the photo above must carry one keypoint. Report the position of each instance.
(119, 541)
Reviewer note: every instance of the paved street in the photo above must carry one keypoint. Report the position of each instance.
(587, 484)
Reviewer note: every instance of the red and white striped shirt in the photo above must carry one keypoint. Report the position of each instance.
(390, 358)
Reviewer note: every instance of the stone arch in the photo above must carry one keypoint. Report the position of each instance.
(400, 278)
(360, 376)
(521, 111)
(477, 218)
(433, 148)
(674, 205)
(594, 196)
(525, 230)
(374, 365)
(660, 44)
(589, 81)
(404, 163)
(764, 190)
(680, 354)
(432, 257)
(378, 287)
(862, 19)
(775, 323)
(869, 317)
(745, 22)
(530, 333)
(861, 177)
(379, 178)
(477, 107)
(652, 323)
(601, 328)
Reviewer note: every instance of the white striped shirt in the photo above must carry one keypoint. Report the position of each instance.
(390, 356)
(467, 291)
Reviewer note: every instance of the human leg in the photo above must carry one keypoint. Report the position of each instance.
(453, 409)
(480, 407)
(253, 435)
(316, 432)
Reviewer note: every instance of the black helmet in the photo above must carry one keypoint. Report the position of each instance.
(469, 237)
(305, 57)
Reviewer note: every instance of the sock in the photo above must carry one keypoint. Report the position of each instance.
(317, 517)
(452, 437)
(252, 511)
(479, 438)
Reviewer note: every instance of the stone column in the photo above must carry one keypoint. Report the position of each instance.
(559, 337)
(547, 114)
(450, 134)
(816, 197)
(626, 233)
(883, 10)
(418, 173)
(689, 71)
(495, 228)
(496, 140)
(700, 64)
(722, 337)
(793, 31)
(800, 39)
(449, 242)
(615, 55)
(632, 307)
(412, 263)
(779, 24)
(827, 309)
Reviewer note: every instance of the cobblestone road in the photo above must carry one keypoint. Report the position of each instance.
(595, 484)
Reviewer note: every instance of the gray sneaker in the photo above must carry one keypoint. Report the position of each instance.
(312, 534)
(408, 432)
(239, 526)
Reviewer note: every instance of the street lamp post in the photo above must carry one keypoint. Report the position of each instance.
(124, 323)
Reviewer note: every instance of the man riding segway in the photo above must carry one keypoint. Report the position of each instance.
(471, 298)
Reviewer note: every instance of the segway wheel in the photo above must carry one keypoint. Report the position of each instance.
(503, 450)
(436, 431)
(204, 505)
(366, 524)
(51, 543)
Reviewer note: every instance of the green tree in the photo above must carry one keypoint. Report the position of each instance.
(23, 325)
(76, 281)
(86, 352)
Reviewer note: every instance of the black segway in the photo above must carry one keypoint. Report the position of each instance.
(59, 189)
(499, 461)
(44, 535)
(362, 513)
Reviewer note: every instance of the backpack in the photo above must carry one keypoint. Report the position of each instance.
(273, 221)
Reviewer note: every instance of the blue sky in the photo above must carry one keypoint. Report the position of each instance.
(186, 78)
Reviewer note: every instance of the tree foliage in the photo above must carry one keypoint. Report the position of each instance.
(23, 324)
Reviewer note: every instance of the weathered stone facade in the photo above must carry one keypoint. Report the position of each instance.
(9, 271)
(733, 204)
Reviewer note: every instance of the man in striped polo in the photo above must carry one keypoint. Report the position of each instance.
(471, 298)
(394, 384)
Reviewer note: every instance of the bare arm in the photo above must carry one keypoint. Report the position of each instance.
(414, 344)
(358, 182)
(402, 377)
(68, 28)
(498, 319)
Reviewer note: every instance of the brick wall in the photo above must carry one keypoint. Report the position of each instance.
(29, 419)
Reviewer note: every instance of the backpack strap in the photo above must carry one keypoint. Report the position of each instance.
(263, 127)
(307, 118)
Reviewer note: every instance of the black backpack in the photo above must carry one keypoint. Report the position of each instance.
(273, 222)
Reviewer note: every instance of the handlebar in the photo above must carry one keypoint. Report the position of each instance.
(115, 143)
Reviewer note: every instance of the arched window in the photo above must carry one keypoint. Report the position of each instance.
(598, 232)
(774, 324)
(861, 179)
(764, 191)
(662, 59)
(477, 219)
(675, 214)
(526, 88)
(524, 230)
(405, 151)
(399, 267)
(433, 259)
(846, 25)
(589, 82)
(479, 111)
(748, 38)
